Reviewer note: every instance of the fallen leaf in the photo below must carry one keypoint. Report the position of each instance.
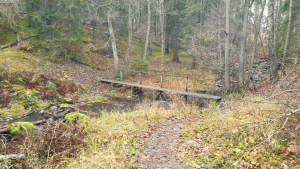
(253, 154)
(293, 150)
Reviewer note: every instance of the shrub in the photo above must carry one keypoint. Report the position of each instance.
(139, 64)
(25, 45)
(20, 127)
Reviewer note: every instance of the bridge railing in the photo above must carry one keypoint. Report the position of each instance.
(162, 76)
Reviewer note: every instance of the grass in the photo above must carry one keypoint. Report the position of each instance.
(113, 139)
(241, 134)
(15, 59)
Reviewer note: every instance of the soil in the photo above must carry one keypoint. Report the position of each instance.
(79, 73)
(160, 148)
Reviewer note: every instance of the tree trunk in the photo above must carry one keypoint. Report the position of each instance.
(112, 36)
(129, 35)
(167, 44)
(176, 55)
(271, 45)
(220, 45)
(243, 46)
(195, 64)
(162, 26)
(175, 48)
(148, 29)
(257, 32)
(227, 39)
(277, 7)
(288, 34)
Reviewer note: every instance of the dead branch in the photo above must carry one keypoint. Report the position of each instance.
(12, 157)
(277, 95)
(10, 44)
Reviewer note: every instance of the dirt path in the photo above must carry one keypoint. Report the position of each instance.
(160, 151)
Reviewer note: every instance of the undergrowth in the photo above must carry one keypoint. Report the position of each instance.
(243, 134)
(110, 141)
(22, 91)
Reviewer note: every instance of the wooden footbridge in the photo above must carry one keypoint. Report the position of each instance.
(161, 89)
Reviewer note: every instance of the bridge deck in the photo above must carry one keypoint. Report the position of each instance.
(206, 96)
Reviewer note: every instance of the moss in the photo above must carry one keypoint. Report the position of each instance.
(76, 117)
(20, 127)
(68, 101)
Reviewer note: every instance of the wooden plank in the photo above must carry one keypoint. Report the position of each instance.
(206, 96)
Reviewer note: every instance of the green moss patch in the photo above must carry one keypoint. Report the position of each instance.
(20, 127)
(76, 117)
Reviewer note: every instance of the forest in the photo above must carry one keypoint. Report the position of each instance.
(149, 84)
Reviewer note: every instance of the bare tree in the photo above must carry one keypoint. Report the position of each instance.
(112, 35)
(162, 23)
(129, 34)
(243, 46)
(227, 39)
(257, 32)
(287, 41)
(148, 29)
(271, 43)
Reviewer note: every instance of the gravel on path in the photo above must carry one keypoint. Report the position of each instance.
(160, 152)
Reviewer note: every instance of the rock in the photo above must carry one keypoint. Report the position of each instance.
(61, 115)
(223, 104)
(20, 127)
(76, 117)
(203, 165)
(197, 166)
(68, 101)
(64, 106)
(49, 120)
(53, 108)
(293, 150)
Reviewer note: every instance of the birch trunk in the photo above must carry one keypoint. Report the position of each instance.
(112, 36)
(129, 35)
(257, 32)
(148, 29)
(243, 46)
(288, 34)
(227, 39)
(162, 26)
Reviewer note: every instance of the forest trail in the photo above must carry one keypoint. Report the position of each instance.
(160, 146)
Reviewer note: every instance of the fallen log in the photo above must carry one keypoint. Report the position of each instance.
(11, 157)
(4, 130)
(10, 44)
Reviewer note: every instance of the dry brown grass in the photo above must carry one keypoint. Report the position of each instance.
(25, 45)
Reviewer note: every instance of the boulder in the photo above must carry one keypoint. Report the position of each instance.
(76, 117)
(68, 101)
(20, 127)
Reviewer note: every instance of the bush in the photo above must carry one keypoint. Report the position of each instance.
(139, 64)
(25, 45)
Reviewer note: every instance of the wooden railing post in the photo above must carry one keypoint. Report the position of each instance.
(121, 73)
(141, 78)
(215, 82)
(161, 81)
(186, 87)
